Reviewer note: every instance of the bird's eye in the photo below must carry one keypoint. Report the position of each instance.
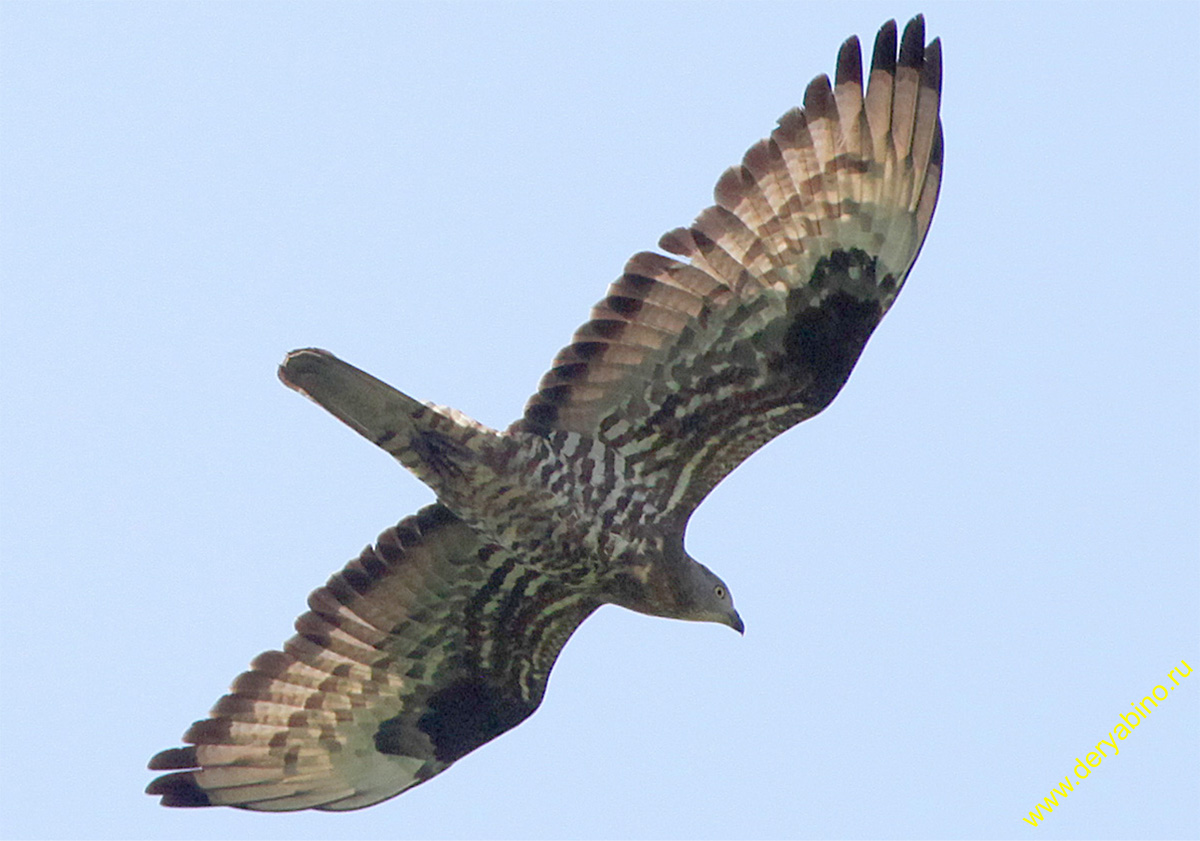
(720, 591)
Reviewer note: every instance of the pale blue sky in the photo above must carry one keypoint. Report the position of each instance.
(954, 580)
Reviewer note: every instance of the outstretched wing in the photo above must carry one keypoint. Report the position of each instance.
(688, 368)
(430, 644)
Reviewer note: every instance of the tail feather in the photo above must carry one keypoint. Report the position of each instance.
(429, 440)
(370, 407)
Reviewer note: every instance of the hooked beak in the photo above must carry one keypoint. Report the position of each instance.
(735, 622)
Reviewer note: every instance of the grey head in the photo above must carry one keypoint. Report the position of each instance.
(677, 586)
(709, 599)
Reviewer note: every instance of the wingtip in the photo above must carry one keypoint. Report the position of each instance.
(173, 759)
(179, 790)
(819, 101)
(883, 57)
(912, 43)
(849, 62)
(931, 68)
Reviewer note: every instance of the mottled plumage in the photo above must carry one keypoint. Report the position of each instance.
(443, 635)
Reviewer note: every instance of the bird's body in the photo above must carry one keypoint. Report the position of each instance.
(442, 635)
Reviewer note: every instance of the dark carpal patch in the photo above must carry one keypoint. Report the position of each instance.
(823, 343)
(464, 716)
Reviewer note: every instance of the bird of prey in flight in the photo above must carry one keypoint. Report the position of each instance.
(441, 636)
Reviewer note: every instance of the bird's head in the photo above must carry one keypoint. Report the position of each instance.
(708, 598)
(673, 584)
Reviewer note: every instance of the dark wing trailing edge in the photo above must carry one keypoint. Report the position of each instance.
(430, 644)
(691, 367)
